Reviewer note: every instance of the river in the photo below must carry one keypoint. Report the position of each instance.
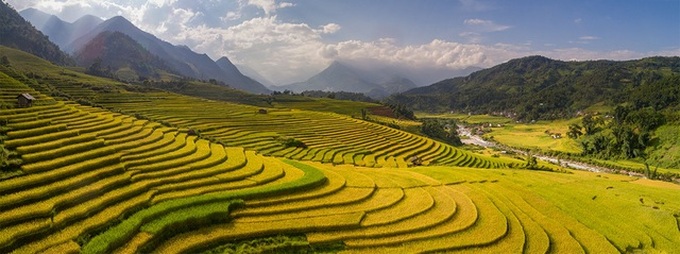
(474, 139)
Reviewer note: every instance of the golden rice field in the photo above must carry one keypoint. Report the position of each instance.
(163, 173)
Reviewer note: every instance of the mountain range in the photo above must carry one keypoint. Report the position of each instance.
(123, 51)
(58, 31)
(74, 37)
(537, 87)
(342, 77)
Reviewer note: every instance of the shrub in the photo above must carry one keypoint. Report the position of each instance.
(291, 142)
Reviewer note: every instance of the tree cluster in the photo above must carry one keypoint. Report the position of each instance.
(402, 111)
(444, 130)
(625, 135)
(338, 95)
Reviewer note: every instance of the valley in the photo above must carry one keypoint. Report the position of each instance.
(151, 170)
(113, 140)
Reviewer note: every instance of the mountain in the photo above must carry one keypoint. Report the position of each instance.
(537, 87)
(15, 32)
(118, 55)
(60, 32)
(179, 58)
(237, 77)
(36, 17)
(378, 71)
(252, 73)
(341, 77)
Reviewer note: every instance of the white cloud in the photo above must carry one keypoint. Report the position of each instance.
(578, 20)
(269, 6)
(330, 28)
(232, 16)
(485, 25)
(585, 39)
(283, 52)
(588, 38)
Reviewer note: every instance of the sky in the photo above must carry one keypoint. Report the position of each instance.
(288, 41)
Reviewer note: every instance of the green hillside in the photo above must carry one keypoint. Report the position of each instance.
(536, 87)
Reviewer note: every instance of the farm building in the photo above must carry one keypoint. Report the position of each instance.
(262, 111)
(25, 100)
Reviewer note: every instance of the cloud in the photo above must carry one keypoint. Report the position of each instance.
(588, 38)
(485, 25)
(330, 28)
(232, 16)
(578, 20)
(281, 51)
(585, 39)
(269, 6)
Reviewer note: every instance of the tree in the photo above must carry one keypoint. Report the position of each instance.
(531, 161)
(364, 114)
(590, 124)
(4, 61)
(574, 131)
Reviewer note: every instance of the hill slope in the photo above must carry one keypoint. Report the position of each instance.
(15, 32)
(540, 88)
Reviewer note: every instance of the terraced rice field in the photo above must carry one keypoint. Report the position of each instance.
(331, 138)
(98, 181)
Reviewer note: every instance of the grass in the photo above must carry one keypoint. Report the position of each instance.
(534, 136)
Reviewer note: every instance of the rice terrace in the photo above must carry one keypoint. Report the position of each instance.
(114, 147)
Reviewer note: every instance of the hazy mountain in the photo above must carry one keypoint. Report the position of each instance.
(341, 77)
(379, 72)
(179, 58)
(15, 32)
(536, 87)
(230, 70)
(252, 73)
(60, 32)
(120, 56)
(36, 17)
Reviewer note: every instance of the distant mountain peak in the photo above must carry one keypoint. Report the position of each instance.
(339, 76)
(224, 61)
(88, 18)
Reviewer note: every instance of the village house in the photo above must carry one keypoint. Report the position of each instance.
(25, 100)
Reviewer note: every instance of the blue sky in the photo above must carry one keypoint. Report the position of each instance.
(290, 40)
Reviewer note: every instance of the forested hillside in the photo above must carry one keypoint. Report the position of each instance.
(536, 87)
(17, 33)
